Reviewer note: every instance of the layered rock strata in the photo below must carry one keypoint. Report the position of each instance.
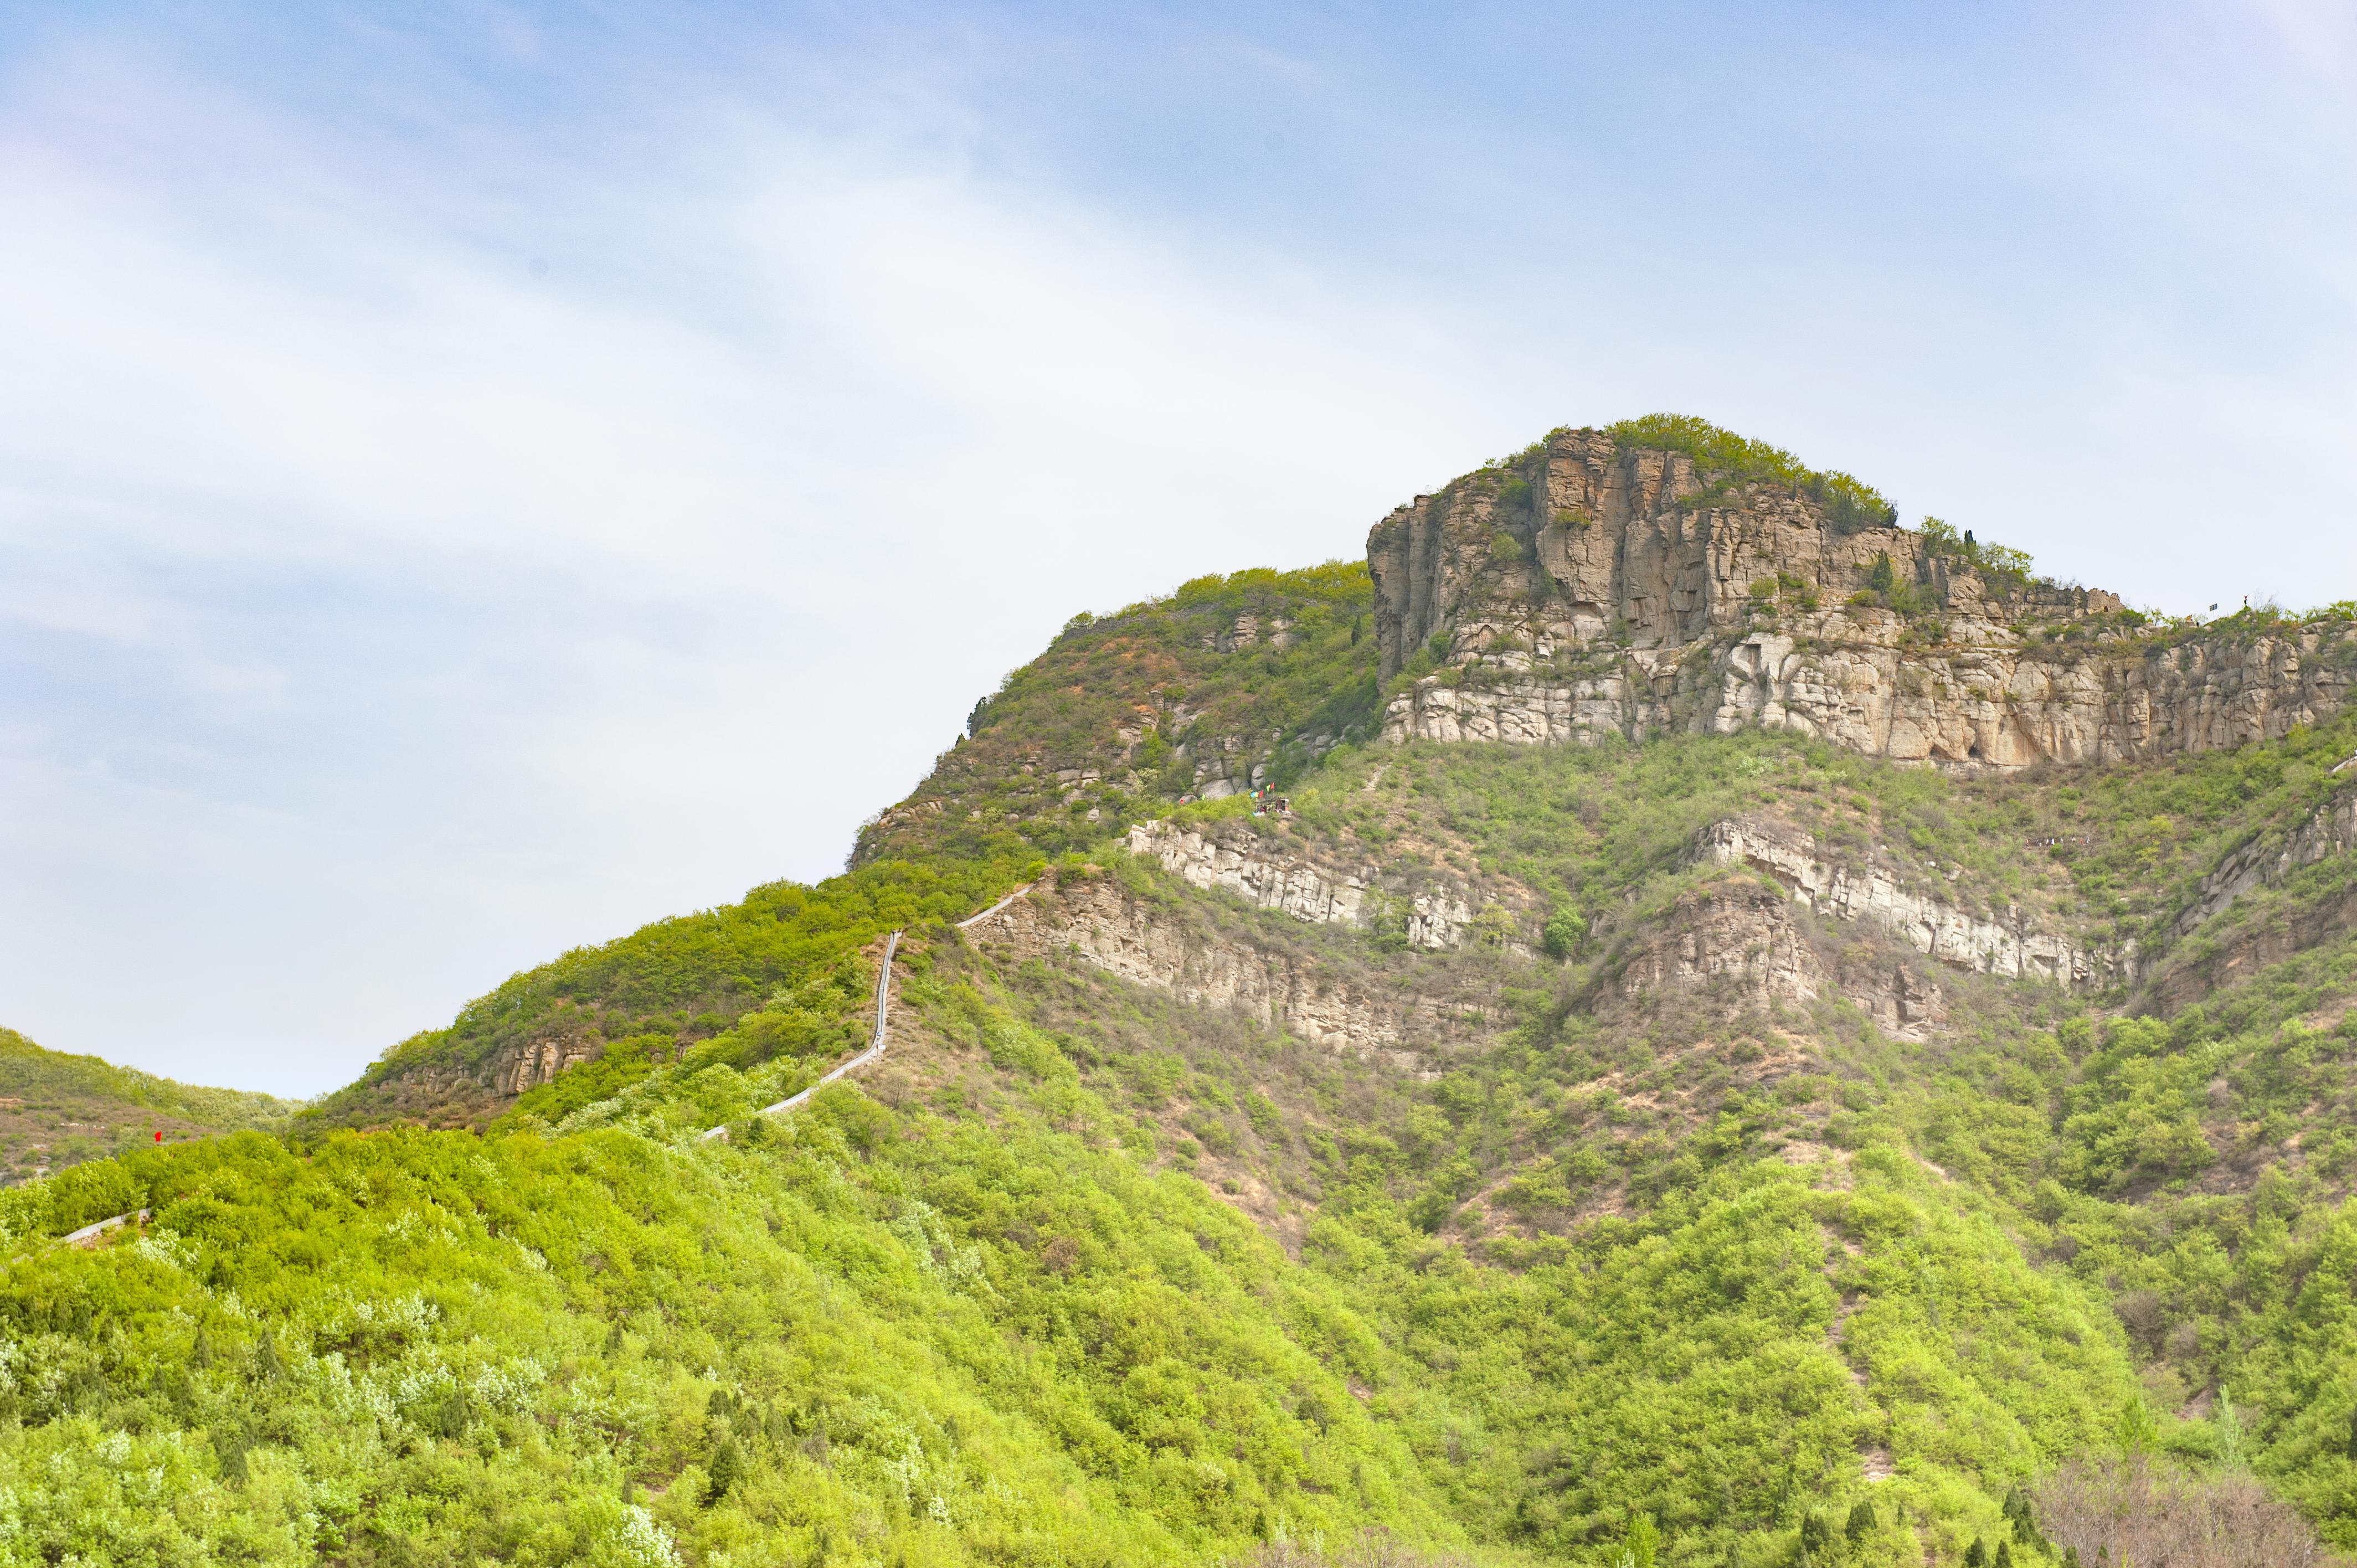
(2260, 863)
(1739, 947)
(2010, 945)
(1434, 918)
(1593, 590)
(1102, 925)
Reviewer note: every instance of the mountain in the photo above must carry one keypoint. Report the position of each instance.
(1665, 1017)
(57, 1110)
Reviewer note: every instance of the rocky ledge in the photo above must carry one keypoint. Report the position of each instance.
(1589, 590)
(1235, 859)
(2008, 944)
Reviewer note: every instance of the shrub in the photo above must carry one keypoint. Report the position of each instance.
(2136, 1509)
(1563, 932)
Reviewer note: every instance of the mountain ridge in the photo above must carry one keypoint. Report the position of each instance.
(1711, 1134)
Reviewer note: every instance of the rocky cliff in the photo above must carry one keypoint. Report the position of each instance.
(1103, 924)
(1435, 917)
(1593, 588)
(2007, 943)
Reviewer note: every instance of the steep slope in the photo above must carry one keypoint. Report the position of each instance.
(1229, 685)
(1721, 1137)
(1662, 577)
(57, 1110)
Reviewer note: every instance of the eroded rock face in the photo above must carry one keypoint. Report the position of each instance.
(1626, 597)
(1100, 923)
(1738, 947)
(521, 1068)
(2332, 830)
(2008, 945)
(1738, 939)
(1434, 918)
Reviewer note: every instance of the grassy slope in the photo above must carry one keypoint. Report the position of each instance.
(57, 1110)
(1621, 1300)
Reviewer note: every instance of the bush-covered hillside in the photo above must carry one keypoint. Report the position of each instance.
(1230, 683)
(57, 1110)
(1722, 1150)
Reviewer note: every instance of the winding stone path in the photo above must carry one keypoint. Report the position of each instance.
(875, 1045)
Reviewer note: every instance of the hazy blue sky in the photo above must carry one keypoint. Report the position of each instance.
(474, 479)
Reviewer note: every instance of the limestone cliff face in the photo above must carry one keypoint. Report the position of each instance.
(1740, 940)
(2261, 864)
(1102, 925)
(2008, 944)
(1596, 590)
(1739, 947)
(1437, 918)
(519, 1067)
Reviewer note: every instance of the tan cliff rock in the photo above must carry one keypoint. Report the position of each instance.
(2010, 944)
(1102, 925)
(518, 1069)
(1435, 918)
(2332, 830)
(1627, 596)
(1738, 947)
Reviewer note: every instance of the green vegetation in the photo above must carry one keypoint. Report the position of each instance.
(1129, 713)
(1573, 1199)
(761, 984)
(57, 1110)
(1727, 460)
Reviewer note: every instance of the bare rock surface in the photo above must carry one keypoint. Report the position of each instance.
(1435, 918)
(2008, 944)
(1102, 925)
(1740, 946)
(525, 1067)
(1626, 597)
(2263, 864)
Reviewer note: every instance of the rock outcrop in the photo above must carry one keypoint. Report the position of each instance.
(2263, 864)
(1738, 948)
(518, 1069)
(1435, 918)
(1738, 939)
(1594, 590)
(2009, 945)
(1102, 925)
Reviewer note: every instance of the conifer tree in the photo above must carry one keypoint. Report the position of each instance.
(727, 1470)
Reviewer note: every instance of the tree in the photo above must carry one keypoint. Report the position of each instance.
(2230, 1432)
(1566, 930)
(2137, 1431)
(1976, 1555)
(1816, 1537)
(727, 1470)
(1637, 1547)
(2016, 1510)
(1861, 1521)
